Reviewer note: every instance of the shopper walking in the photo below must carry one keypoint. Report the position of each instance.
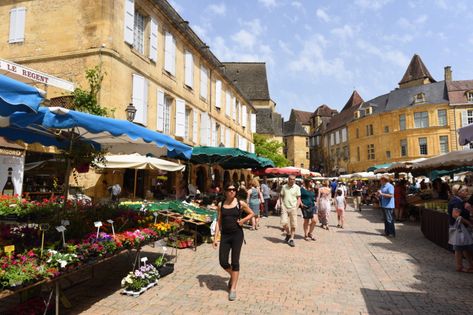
(340, 206)
(308, 209)
(356, 191)
(290, 201)
(230, 223)
(255, 199)
(386, 200)
(266, 197)
(324, 203)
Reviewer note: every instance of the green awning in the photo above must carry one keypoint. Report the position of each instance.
(228, 158)
(379, 166)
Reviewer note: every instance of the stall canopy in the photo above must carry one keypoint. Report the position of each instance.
(379, 167)
(285, 171)
(228, 158)
(405, 166)
(465, 134)
(18, 96)
(138, 161)
(448, 161)
(56, 126)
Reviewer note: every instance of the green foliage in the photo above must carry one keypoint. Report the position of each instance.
(270, 149)
(87, 100)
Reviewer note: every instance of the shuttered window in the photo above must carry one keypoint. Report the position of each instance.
(129, 21)
(228, 106)
(139, 33)
(244, 116)
(218, 94)
(195, 127)
(228, 138)
(153, 41)
(140, 98)
(188, 123)
(203, 82)
(167, 114)
(17, 25)
(253, 123)
(204, 129)
(180, 118)
(169, 53)
(189, 69)
(160, 110)
(234, 109)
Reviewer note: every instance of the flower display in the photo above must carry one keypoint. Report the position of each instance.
(140, 278)
(60, 260)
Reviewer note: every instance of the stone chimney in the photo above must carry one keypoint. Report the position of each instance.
(448, 74)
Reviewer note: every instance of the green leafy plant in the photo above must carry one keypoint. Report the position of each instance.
(160, 261)
(270, 149)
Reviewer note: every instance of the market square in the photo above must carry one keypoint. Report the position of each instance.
(221, 157)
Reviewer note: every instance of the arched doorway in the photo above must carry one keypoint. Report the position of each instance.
(201, 179)
(242, 179)
(226, 178)
(217, 178)
(235, 178)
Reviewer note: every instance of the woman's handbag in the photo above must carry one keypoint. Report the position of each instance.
(459, 234)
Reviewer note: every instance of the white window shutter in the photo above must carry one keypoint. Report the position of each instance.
(239, 113)
(203, 82)
(169, 53)
(195, 126)
(213, 132)
(160, 121)
(253, 123)
(234, 108)
(218, 94)
(252, 147)
(180, 118)
(17, 25)
(129, 21)
(228, 105)
(189, 69)
(153, 40)
(204, 129)
(464, 114)
(140, 98)
(227, 138)
(244, 116)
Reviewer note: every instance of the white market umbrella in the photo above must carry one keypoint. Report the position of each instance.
(450, 160)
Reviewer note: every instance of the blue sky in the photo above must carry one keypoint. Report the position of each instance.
(318, 52)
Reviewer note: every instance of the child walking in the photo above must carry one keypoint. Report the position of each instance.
(340, 205)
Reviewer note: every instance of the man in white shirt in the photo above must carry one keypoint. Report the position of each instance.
(290, 202)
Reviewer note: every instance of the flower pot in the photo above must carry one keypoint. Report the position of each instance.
(165, 270)
(134, 293)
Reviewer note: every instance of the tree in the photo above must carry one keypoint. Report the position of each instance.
(270, 149)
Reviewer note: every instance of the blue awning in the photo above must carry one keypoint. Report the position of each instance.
(18, 96)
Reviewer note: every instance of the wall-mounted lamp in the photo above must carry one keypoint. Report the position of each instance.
(130, 112)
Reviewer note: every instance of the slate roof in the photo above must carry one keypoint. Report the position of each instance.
(457, 91)
(250, 77)
(294, 128)
(435, 93)
(324, 111)
(300, 116)
(268, 122)
(416, 70)
(347, 114)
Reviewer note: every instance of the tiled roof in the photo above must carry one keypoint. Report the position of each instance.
(250, 77)
(300, 116)
(294, 128)
(268, 122)
(324, 111)
(347, 113)
(416, 70)
(457, 91)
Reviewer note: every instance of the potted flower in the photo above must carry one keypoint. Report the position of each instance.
(163, 266)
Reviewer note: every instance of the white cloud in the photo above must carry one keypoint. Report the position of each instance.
(398, 38)
(372, 4)
(312, 60)
(245, 38)
(296, 4)
(268, 3)
(407, 24)
(177, 7)
(218, 9)
(388, 54)
(285, 47)
(200, 31)
(321, 14)
(254, 26)
(345, 32)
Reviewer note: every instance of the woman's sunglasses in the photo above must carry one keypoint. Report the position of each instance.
(231, 189)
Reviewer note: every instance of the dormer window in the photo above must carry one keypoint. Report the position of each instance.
(368, 110)
(419, 98)
(357, 114)
(469, 96)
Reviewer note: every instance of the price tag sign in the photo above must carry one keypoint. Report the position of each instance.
(98, 224)
(9, 249)
(110, 221)
(65, 222)
(155, 214)
(44, 227)
(144, 259)
(60, 228)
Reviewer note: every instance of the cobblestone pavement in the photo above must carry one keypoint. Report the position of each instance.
(349, 271)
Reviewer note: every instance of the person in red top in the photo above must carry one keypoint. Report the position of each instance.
(400, 200)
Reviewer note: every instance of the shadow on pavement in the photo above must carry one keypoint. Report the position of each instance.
(380, 233)
(275, 240)
(213, 282)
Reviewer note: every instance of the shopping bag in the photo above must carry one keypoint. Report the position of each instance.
(459, 235)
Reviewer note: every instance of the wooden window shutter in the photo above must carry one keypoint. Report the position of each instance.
(153, 41)
(160, 116)
(17, 25)
(218, 94)
(195, 126)
(189, 69)
(129, 21)
(180, 118)
(140, 98)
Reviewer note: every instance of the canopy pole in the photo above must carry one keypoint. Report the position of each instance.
(68, 171)
(134, 186)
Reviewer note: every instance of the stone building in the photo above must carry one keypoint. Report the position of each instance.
(318, 124)
(418, 119)
(251, 78)
(296, 138)
(336, 140)
(151, 58)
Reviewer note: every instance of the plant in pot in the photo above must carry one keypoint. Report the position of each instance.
(163, 266)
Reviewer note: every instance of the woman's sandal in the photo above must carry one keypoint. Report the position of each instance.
(311, 237)
(306, 238)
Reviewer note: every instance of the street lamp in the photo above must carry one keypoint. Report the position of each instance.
(130, 112)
